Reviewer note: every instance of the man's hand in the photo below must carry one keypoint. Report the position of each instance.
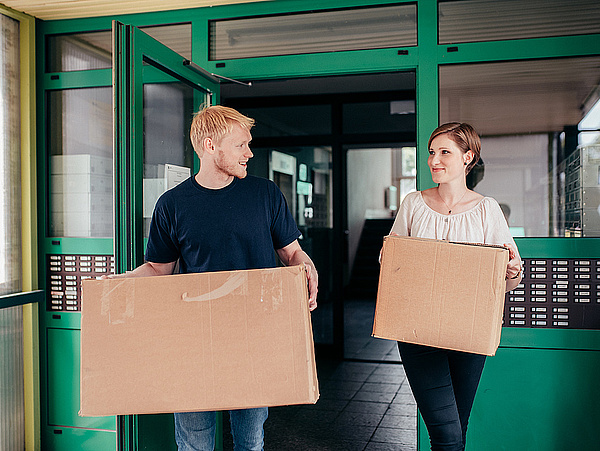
(292, 254)
(313, 284)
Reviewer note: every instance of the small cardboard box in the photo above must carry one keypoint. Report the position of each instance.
(441, 294)
(196, 342)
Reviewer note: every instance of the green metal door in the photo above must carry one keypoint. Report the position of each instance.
(156, 91)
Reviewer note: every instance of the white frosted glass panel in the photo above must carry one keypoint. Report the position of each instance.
(12, 411)
(494, 20)
(81, 166)
(85, 51)
(10, 158)
(328, 31)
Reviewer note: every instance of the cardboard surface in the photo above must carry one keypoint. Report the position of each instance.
(441, 294)
(194, 342)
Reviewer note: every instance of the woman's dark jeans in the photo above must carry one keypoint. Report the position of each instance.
(443, 383)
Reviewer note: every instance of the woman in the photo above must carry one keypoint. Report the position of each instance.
(444, 382)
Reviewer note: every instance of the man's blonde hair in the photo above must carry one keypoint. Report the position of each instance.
(215, 122)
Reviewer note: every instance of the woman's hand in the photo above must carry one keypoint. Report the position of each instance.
(513, 269)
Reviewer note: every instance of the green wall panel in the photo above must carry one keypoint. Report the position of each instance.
(63, 382)
(538, 399)
(71, 439)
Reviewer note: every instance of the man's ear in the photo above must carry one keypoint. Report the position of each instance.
(208, 145)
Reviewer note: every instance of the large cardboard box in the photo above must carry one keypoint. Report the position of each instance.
(441, 294)
(195, 342)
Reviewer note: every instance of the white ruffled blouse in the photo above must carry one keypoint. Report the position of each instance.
(484, 223)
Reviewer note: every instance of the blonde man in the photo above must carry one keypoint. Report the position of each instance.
(222, 219)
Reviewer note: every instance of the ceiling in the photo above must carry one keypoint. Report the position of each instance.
(74, 9)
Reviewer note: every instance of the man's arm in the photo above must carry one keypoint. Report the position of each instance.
(146, 270)
(292, 254)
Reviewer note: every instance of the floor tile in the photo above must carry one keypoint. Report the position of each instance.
(394, 435)
(358, 418)
(399, 421)
(380, 387)
(374, 397)
(366, 407)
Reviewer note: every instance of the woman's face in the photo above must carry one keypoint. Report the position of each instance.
(446, 160)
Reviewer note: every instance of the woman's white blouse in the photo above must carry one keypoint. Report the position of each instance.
(484, 223)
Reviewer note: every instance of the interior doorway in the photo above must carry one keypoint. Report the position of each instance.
(337, 146)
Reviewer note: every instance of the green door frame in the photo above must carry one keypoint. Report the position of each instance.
(425, 59)
(138, 59)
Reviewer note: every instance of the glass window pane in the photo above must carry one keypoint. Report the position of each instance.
(314, 32)
(168, 152)
(409, 161)
(82, 51)
(378, 117)
(177, 37)
(85, 51)
(81, 168)
(493, 20)
(12, 411)
(10, 158)
(296, 120)
(527, 113)
(407, 185)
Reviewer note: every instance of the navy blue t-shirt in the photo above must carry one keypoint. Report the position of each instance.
(236, 227)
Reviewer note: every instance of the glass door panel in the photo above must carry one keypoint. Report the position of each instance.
(304, 175)
(156, 92)
(377, 179)
(80, 162)
(168, 156)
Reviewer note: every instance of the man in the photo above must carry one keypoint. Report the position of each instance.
(222, 219)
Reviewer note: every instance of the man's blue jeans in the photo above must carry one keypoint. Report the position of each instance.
(195, 431)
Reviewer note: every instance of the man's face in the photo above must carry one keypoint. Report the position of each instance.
(233, 152)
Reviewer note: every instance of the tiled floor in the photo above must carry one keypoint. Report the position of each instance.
(364, 405)
(358, 343)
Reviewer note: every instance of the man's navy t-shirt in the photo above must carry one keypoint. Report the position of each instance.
(236, 227)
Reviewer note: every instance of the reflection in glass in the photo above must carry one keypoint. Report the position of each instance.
(405, 175)
(168, 152)
(314, 32)
(292, 120)
(581, 192)
(10, 159)
(494, 20)
(81, 170)
(86, 51)
(81, 51)
(590, 124)
(12, 388)
(527, 113)
(378, 117)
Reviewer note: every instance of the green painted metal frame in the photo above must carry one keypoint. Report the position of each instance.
(22, 298)
(425, 59)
